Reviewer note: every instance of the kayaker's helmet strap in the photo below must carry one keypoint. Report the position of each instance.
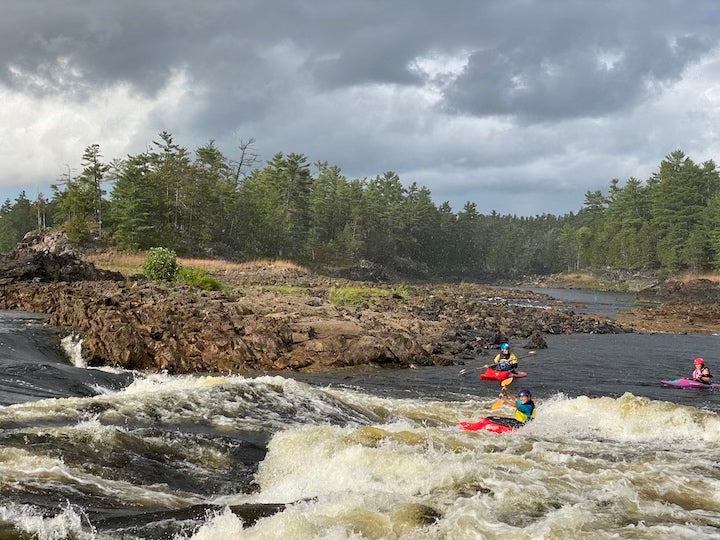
(504, 347)
(699, 362)
(524, 393)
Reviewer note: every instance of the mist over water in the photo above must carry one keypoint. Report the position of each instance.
(367, 453)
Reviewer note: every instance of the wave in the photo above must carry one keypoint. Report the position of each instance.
(337, 462)
(628, 418)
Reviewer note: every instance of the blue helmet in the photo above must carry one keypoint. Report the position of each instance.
(524, 393)
(504, 347)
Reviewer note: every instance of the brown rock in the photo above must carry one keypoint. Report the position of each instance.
(144, 325)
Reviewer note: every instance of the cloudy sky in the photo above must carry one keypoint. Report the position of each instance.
(520, 106)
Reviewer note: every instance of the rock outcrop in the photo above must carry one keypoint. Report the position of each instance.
(137, 324)
(695, 291)
(675, 306)
(49, 257)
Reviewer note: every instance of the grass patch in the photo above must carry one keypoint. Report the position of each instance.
(355, 296)
(125, 263)
(197, 277)
(131, 263)
(268, 263)
(194, 272)
(469, 286)
(284, 289)
(402, 291)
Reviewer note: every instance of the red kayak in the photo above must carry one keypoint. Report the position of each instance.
(493, 424)
(491, 374)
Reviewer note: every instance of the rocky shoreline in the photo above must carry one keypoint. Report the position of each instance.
(607, 281)
(688, 307)
(137, 324)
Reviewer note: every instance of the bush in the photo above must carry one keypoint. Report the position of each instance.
(161, 264)
(78, 230)
(199, 278)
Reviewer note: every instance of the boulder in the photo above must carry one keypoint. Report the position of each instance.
(48, 256)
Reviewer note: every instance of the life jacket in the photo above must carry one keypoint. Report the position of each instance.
(520, 415)
(505, 362)
(701, 372)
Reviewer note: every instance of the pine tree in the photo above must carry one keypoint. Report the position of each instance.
(678, 199)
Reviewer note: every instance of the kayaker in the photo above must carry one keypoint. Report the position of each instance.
(505, 360)
(524, 405)
(701, 372)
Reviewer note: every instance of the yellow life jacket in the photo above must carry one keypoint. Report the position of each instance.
(521, 416)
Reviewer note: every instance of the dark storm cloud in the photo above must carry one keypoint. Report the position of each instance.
(585, 78)
(537, 60)
(63, 47)
(110, 41)
(492, 90)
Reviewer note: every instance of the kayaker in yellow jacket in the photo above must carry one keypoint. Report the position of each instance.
(505, 359)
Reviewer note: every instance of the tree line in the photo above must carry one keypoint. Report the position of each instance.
(204, 204)
(669, 222)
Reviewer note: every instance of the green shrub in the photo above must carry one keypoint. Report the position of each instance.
(161, 264)
(199, 278)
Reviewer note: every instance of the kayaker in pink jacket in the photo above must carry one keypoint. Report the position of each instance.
(701, 373)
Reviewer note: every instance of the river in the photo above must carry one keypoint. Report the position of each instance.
(373, 453)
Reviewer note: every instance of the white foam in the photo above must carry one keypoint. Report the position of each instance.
(627, 418)
(221, 525)
(69, 522)
(582, 463)
(350, 465)
(72, 345)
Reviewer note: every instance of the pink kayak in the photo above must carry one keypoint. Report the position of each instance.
(682, 382)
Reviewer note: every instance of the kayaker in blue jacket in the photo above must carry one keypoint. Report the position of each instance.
(524, 405)
(701, 372)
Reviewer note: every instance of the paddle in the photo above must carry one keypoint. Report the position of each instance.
(500, 401)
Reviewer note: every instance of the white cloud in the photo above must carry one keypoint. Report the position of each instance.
(42, 135)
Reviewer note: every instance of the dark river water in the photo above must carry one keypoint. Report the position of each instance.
(607, 304)
(575, 365)
(371, 453)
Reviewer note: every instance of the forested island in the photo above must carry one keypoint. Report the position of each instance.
(206, 204)
(307, 315)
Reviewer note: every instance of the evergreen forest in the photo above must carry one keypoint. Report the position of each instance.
(202, 203)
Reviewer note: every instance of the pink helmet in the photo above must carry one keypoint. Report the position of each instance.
(699, 362)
